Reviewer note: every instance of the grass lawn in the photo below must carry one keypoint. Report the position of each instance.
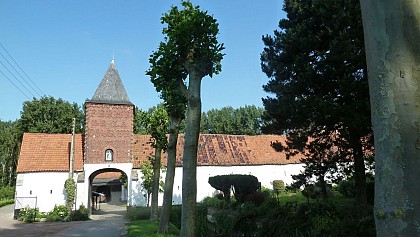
(147, 228)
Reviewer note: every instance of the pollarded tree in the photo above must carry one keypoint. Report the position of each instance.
(192, 34)
(167, 75)
(50, 115)
(317, 70)
(392, 33)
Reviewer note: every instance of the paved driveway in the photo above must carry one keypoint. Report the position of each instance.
(109, 222)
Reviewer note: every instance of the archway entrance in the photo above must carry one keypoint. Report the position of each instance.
(107, 186)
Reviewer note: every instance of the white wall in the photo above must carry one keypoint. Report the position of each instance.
(265, 174)
(47, 187)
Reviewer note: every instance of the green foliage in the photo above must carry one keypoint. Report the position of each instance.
(27, 214)
(138, 213)
(10, 140)
(59, 213)
(147, 228)
(279, 186)
(175, 217)
(70, 191)
(243, 185)
(7, 193)
(227, 120)
(81, 214)
(346, 188)
(213, 202)
(192, 34)
(146, 169)
(318, 81)
(6, 202)
(50, 115)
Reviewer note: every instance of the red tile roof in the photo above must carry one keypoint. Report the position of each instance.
(221, 150)
(49, 152)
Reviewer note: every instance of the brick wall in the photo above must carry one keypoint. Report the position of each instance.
(108, 127)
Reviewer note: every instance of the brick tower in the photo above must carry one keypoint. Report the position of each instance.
(109, 122)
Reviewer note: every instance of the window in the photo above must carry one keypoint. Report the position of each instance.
(109, 155)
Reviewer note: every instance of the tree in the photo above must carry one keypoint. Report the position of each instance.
(10, 140)
(192, 35)
(157, 126)
(50, 115)
(167, 75)
(146, 169)
(317, 70)
(392, 43)
(245, 120)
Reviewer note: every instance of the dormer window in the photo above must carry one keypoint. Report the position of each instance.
(109, 155)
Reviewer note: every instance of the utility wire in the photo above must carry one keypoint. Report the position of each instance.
(15, 85)
(19, 74)
(17, 79)
(42, 93)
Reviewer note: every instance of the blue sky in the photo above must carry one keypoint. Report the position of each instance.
(65, 47)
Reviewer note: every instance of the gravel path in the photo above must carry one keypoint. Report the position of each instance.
(108, 222)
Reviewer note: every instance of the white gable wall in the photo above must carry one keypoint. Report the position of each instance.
(47, 187)
(265, 174)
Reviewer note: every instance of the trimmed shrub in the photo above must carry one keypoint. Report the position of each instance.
(346, 188)
(59, 213)
(278, 186)
(243, 185)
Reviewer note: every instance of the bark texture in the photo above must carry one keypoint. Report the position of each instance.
(154, 215)
(189, 165)
(392, 40)
(170, 175)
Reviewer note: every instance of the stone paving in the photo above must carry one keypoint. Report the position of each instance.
(109, 221)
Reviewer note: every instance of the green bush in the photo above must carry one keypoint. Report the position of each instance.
(213, 202)
(256, 198)
(27, 214)
(7, 193)
(59, 213)
(82, 214)
(200, 221)
(6, 202)
(176, 211)
(225, 221)
(346, 188)
(138, 213)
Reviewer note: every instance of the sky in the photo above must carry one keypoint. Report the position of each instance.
(65, 48)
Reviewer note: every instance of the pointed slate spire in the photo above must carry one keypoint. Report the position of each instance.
(111, 89)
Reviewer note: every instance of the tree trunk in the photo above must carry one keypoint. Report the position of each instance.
(359, 179)
(154, 215)
(189, 165)
(165, 213)
(392, 41)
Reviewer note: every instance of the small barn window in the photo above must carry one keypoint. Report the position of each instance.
(51, 191)
(109, 155)
(30, 192)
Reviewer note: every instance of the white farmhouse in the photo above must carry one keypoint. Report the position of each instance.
(109, 148)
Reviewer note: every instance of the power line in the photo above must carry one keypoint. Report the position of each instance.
(17, 79)
(42, 93)
(19, 74)
(15, 85)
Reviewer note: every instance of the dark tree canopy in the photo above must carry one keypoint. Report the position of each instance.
(10, 139)
(50, 115)
(318, 82)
